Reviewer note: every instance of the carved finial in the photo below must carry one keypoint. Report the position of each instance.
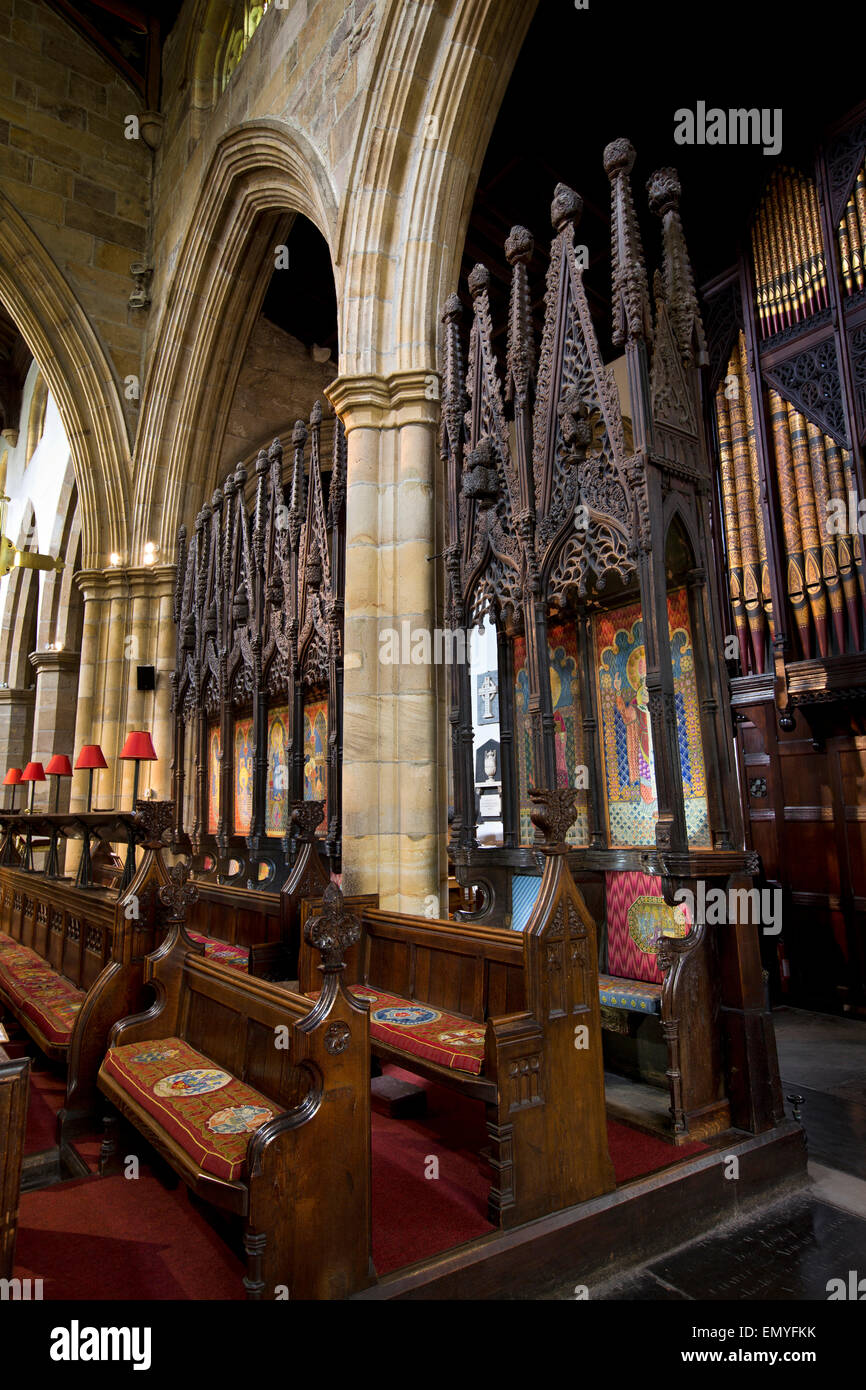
(240, 477)
(333, 931)
(553, 811)
(154, 820)
(261, 462)
(519, 245)
(479, 280)
(316, 413)
(631, 312)
(566, 208)
(619, 157)
(179, 893)
(181, 534)
(453, 309)
(521, 344)
(664, 191)
(313, 567)
(306, 817)
(299, 434)
(480, 475)
(275, 452)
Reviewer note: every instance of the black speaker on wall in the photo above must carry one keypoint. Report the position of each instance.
(145, 677)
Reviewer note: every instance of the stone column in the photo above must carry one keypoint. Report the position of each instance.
(127, 623)
(16, 735)
(394, 781)
(54, 717)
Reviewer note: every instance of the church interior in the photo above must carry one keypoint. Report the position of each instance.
(432, 653)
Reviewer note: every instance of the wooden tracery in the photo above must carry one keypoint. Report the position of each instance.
(575, 499)
(259, 615)
(563, 503)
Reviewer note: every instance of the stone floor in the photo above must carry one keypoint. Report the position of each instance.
(793, 1248)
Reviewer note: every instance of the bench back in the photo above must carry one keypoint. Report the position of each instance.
(247, 1026)
(71, 928)
(14, 1087)
(458, 967)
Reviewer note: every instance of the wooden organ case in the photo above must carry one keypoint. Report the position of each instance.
(579, 524)
(257, 689)
(787, 343)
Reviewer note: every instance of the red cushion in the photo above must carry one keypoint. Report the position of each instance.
(38, 991)
(423, 1031)
(238, 956)
(194, 1103)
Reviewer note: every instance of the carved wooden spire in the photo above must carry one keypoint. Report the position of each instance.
(521, 343)
(631, 311)
(664, 191)
(297, 505)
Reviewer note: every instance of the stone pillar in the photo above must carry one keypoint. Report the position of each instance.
(54, 717)
(127, 623)
(394, 778)
(16, 735)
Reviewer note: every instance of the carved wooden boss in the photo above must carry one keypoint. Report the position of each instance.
(259, 614)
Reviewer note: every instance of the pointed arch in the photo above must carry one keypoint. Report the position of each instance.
(79, 377)
(415, 169)
(261, 173)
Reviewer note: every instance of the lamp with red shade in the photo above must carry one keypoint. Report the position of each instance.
(138, 748)
(33, 773)
(12, 779)
(58, 766)
(91, 759)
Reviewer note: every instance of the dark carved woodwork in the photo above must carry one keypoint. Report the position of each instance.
(542, 1078)
(561, 501)
(14, 1090)
(259, 613)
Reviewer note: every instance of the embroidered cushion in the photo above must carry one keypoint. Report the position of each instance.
(447, 1039)
(40, 993)
(238, 956)
(203, 1107)
(637, 995)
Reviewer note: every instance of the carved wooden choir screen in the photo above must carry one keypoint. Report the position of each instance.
(579, 521)
(787, 342)
(257, 689)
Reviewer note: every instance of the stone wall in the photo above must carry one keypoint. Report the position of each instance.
(69, 170)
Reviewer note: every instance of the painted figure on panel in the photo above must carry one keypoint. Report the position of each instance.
(243, 776)
(315, 755)
(634, 712)
(276, 804)
(214, 758)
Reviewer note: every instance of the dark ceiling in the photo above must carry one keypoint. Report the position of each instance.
(585, 77)
(129, 35)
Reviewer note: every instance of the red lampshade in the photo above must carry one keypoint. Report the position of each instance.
(59, 766)
(139, 745)
(33, 772)
(90, 757)
(13, 777)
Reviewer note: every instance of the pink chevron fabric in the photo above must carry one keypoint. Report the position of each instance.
(625, 958)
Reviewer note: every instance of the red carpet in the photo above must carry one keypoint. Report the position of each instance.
(118, 1238)
(47, 1092)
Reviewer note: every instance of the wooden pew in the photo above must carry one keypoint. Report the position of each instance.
(510, 1019)
(301, 1180)
(14, 1089)
(72, 961)
(251, 928)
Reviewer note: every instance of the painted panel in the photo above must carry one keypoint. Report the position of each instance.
(316, 756)
(568, 727)
(243, 775)
(630, 788)
(277, 785)
(214, 759)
